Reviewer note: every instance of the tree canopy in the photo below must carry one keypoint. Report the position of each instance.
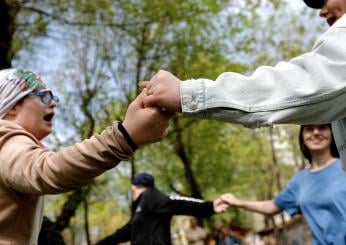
(93, 53)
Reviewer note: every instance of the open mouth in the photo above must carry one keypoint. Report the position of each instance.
(48, 117)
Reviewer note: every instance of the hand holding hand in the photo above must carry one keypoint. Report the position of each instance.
(145, 124)
(220, 206)
(163, 90)
(230, 199)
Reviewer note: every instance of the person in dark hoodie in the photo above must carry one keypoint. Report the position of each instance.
(152, 211)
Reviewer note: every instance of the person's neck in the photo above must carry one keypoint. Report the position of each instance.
(322, 160)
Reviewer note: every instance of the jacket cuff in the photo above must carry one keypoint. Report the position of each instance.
(125, 152)
(192, 95)
(211, 208)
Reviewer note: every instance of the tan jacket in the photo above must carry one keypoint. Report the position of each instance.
(28, 171)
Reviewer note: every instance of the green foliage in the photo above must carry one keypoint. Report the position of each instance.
(110, 45)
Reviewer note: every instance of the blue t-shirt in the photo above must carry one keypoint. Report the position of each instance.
(321, 198)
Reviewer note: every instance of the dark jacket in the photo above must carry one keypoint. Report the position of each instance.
(151, 216)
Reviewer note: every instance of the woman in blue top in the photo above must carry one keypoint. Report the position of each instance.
(317, 192)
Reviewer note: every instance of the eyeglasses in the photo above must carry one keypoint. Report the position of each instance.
(46, 96)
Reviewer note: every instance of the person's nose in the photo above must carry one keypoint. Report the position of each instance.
(316, 130)
(53, 103)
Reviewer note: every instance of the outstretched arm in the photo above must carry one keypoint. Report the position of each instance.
(309, 89)
(264, 207)
(121, 235)
(160, 203)
(48, 172)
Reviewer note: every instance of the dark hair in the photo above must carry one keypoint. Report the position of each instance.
(305, 150)
(144, 179)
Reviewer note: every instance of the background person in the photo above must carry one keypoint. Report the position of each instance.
(195, 234)
(226, 237)
(152, 212)
(317, 192)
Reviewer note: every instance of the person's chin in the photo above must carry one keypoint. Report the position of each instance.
(46, 131)
(317, 149)
(49, 123)
(48, 126)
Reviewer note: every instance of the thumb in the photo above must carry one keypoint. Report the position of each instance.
(138, 101)
(143, 84)
(149, 101)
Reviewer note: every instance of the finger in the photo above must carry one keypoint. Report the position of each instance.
(225, 200)
(139, 99)
(142, 99)
(222, 208)
(150, 101)
(225, 207)
(143, 84)
(145, 91)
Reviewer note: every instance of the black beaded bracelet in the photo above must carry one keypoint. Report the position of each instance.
(127, 137)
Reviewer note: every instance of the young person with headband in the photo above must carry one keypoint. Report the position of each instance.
(28, 170)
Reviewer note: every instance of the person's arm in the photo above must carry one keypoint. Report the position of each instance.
(264, 207)
(160, 203)
(121, 235)
(309, 89)
(286, 200)
(31, 169)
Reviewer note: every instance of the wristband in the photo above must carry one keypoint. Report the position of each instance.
(127, 137)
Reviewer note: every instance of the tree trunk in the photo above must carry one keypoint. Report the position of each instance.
(86, 221)
(7, 19)
(70, 207)
(181, 152)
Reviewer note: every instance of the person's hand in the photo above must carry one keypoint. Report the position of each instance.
(220, 206)
(145, 124)
(230, 199)
(163, 90)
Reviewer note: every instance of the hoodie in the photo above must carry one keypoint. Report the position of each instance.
(28, 171)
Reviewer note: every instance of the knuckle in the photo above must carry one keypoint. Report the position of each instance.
(161, 74)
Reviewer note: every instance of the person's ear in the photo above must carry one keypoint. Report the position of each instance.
(13, 112)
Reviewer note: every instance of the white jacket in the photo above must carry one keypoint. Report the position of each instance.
(309, 89)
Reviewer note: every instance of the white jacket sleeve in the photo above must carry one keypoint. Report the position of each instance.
(308, 89)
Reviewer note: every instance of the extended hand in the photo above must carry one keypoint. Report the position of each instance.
(220, 206)
(230, 199)
(146, 124)
(163, 90)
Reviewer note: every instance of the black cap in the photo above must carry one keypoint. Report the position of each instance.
(144, 179)
(315, 4)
